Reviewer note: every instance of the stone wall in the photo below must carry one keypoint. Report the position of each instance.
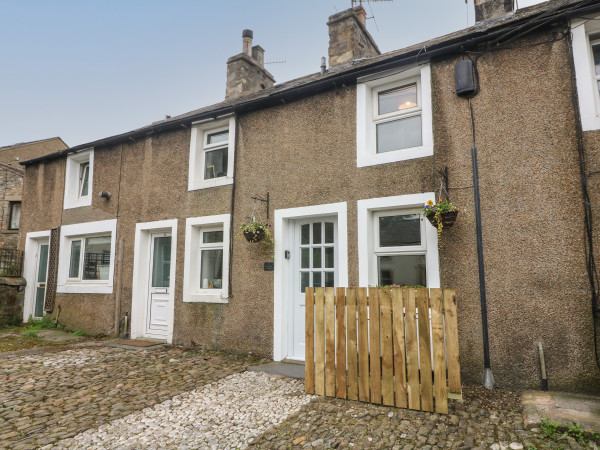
(11, 299)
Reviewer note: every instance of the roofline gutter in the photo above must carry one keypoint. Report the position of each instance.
(459, 44)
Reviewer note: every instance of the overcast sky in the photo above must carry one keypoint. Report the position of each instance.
(88, 69)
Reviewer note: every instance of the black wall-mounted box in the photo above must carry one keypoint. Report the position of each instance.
(463, 77)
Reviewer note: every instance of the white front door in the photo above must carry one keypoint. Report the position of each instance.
(159, 286)
(315, 263)
(40, 279)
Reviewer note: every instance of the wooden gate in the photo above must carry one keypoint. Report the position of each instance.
(374, 346)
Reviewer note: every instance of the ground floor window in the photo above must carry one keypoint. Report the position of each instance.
(86, 257)
(206, 264)
(397, 245)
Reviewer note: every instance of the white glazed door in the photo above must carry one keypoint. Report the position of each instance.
(159, 286)
(315, 260)
(40, 280)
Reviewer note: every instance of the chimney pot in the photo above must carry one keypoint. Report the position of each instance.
(247, 36)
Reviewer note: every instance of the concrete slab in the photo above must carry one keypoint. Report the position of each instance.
(562, 407)
(58, 336)
(280, 368)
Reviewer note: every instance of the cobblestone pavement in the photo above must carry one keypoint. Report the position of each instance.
(484, 419)
(225, 414)
(50, 396)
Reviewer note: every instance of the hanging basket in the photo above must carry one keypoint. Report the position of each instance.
(254, 235)
(448, 218)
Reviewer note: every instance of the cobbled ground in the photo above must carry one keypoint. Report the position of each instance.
(50, 396)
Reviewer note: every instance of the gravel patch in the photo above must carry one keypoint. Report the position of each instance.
(226, 414)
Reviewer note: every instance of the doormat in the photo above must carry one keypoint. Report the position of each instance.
(136, 343)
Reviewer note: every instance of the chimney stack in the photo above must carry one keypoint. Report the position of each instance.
(246, 73)
(492, 9)
(349, 38)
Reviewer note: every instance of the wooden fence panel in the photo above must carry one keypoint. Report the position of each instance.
(387, 348)
(439, 361)
(340, 342)
(452, 341)
(319, 341)
(373, 346)
(352, 344)
(309, 343)
(399, 348)
(330, 342)
(363, 347)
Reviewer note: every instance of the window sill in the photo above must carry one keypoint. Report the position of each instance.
(206, 298)
(83, 288)
(365, 159)
(85, 201)
(590, 123)
(215, 182)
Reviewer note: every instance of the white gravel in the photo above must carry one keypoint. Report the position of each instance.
(222, 415)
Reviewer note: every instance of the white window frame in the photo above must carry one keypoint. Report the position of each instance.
(587, 88)
(367, 116)
(70, 233)
(368, 212)
(198, 149)
(194, 226)
(73, 197)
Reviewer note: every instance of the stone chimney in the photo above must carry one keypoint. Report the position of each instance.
(246, 73)
(492, 9)
(349, 38)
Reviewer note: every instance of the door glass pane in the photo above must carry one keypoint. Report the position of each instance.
(161, 262)
(210, 237)
(395, 231)
(329, 261)
(317, 233)
(215, 138)
(211, 269)
(397, 99)
(84, 175)
(43, 264)
(40, 295)
(328, 232)
(304, 281)
(305, 234)
(96, 260)
(75, 258)
(328, 279)
(305, 258)
(402, 270)
(399, 134)
(596, 51)
(317, 258)
(215, 164)
(317, 279)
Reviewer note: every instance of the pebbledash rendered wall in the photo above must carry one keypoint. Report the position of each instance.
(304, 153)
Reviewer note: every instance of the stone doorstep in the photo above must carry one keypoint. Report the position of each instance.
(562, 407)
(119, 343)
(289, 370)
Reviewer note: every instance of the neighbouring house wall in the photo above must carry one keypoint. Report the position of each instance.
(11, 187)
(30, 150)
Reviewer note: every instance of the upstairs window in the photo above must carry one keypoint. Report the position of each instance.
(394, 119)
(211, 154)
(79, 179)
(14, 220)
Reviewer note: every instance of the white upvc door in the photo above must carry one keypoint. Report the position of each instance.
(315, 263)
(41, 277)
(158, 307)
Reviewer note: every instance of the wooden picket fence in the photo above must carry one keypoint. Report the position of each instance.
(374, 346)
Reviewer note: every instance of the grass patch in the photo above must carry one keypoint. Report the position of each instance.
(557, 431)
(80, 333)
(45, 323)
(30, 334)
